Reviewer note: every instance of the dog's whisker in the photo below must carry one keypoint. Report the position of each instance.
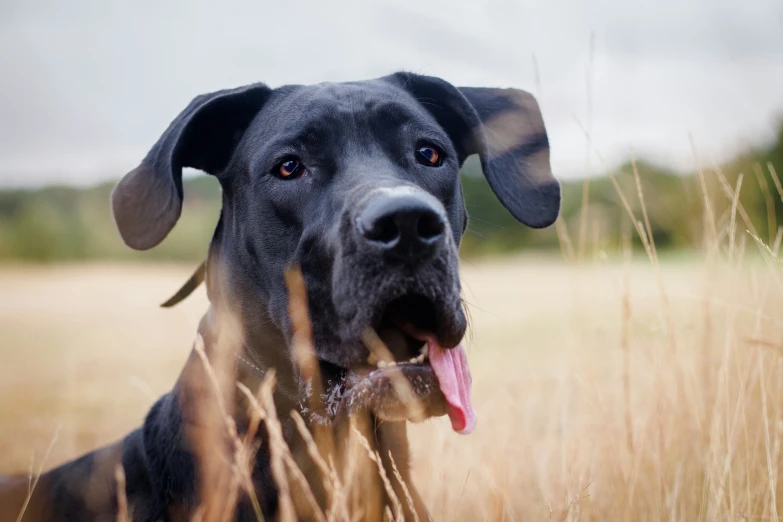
(479, 234)
(468, 305)
(490, 223)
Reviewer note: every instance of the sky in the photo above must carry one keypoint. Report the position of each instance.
(87, 86)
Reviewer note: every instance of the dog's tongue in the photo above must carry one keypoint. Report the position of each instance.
(451, 369)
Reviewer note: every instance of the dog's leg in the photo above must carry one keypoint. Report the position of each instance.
(83, 489)
(392, 440)
(358, 473)
(14, 493)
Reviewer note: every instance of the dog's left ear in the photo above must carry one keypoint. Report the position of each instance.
(147, 202)
(506, 129)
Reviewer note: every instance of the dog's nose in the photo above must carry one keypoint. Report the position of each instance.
(406, 226)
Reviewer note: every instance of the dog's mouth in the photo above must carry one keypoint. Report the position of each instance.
(415, 368)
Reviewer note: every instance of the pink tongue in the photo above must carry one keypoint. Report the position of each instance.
(451, 369)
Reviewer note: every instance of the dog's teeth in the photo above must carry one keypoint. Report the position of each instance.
(381, 364)
(420, 358)
(391, 364)
(414, 360)
(424, 350)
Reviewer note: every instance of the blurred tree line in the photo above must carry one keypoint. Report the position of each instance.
(67, 224)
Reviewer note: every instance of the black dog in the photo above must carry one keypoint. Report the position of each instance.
(358, 184)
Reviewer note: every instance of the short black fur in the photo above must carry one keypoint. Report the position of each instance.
(358, 142)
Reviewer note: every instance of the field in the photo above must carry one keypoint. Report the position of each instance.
(608, 389)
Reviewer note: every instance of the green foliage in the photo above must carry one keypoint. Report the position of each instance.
(674, 202)
(63, 223)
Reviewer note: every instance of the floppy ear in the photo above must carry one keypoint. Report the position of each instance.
(147, 202)
(506, 129)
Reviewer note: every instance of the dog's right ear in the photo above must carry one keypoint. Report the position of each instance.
(147, 202)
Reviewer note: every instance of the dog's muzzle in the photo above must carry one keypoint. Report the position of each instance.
(396, 290)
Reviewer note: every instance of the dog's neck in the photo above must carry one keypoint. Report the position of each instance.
(247, 353)
(249, 337)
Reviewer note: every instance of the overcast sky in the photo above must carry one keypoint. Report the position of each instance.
(86, 86)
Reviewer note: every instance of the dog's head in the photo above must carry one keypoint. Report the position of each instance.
(358, 184)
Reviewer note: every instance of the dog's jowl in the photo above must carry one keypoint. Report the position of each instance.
(355, 186)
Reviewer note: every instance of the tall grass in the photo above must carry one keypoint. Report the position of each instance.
(664, 402)
(687, 426)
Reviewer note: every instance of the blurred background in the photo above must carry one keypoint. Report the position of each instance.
(89, 86)
(626, 362)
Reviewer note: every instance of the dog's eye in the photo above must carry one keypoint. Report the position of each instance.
(429, 156)
(291, 168)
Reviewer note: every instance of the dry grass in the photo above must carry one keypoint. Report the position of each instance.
(606, 390)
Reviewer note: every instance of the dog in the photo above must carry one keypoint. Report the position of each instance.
(358, 185)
